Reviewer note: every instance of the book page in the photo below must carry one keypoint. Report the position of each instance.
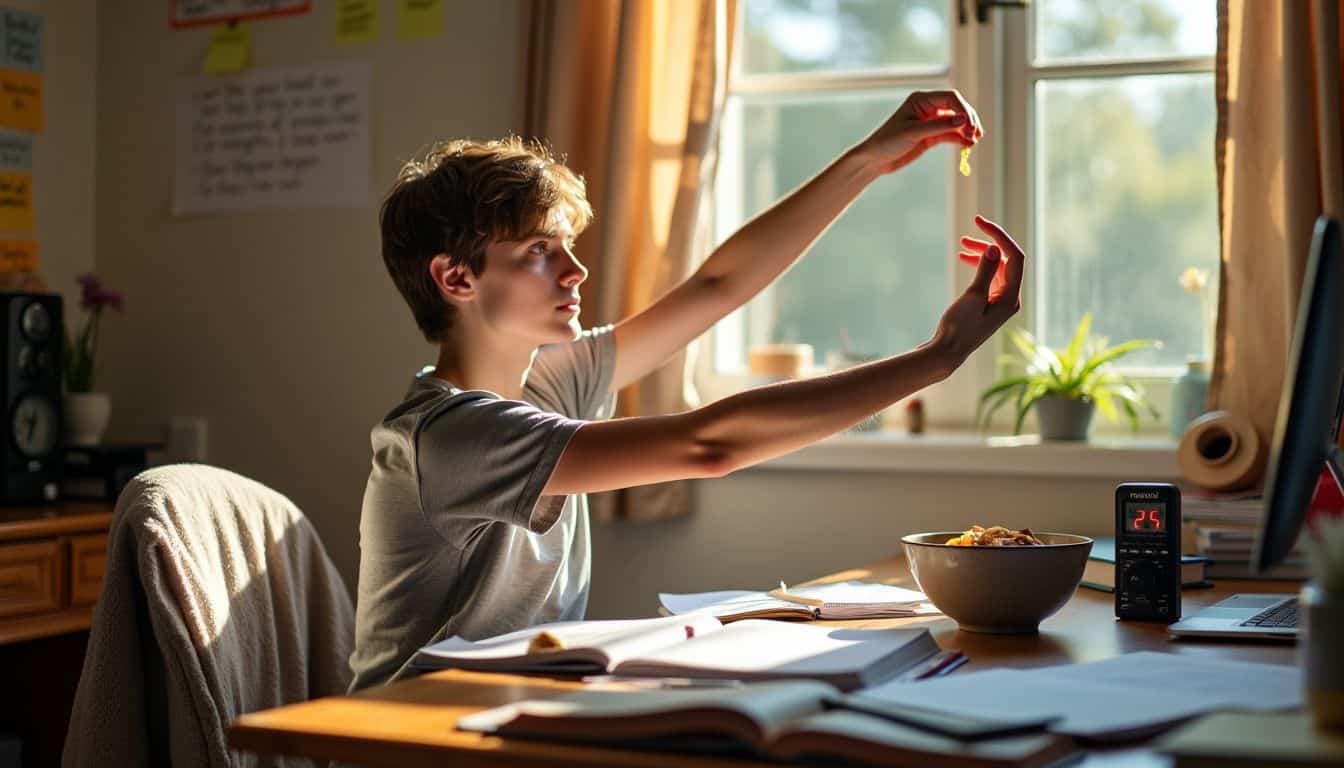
(757, 649)
(583, 641)
(749, 713)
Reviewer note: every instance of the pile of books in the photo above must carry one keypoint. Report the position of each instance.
(1223, 528)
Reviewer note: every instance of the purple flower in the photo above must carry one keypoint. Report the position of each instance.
(94, 296)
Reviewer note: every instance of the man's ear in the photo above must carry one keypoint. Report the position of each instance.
(454, 281)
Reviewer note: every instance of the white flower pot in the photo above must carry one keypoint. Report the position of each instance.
(86, 416)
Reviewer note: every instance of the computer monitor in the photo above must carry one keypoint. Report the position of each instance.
(1307, 427)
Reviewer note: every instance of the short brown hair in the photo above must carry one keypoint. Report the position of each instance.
(460, 197)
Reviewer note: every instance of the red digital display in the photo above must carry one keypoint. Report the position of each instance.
(1146, 517)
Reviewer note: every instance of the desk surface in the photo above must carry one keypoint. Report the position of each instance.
(411, 723)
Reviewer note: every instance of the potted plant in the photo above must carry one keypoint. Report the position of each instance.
(1067, 385)
(86, 410)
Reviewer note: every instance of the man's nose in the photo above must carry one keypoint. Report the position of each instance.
(575, 272)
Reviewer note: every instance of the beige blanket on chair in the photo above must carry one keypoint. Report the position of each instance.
(244, 605)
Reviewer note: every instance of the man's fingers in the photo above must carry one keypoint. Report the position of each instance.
(974, 245)
(984, 272)
(998, 235)
(969, 258)
(949, 128)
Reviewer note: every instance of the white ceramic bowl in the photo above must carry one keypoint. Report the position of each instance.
(999, 590)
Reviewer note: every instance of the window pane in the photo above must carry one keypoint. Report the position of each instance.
(1105, 29)
(1127, 202)
(831, 35)
(880, 275)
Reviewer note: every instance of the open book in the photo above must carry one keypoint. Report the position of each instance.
(783, 719)
(694, 646)
(843, 600)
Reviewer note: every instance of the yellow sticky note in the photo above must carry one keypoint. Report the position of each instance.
(356, 21)
(965, 161)
(419, 19)
(21, 100)
(230, 49)
(16, 201)
(18, 256)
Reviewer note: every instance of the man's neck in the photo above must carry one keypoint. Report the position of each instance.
(494, 368)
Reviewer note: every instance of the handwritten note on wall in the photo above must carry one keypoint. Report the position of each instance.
(277, 138)
(189, 13)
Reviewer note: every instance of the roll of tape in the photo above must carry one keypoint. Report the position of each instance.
(1221, 451)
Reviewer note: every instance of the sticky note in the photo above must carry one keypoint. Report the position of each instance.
(21, 100)
(20, 40)
(419, 19)
(356, 21)
(230, 49)
(965, 161)
(18, 255)
(16, 201)
(16, 151)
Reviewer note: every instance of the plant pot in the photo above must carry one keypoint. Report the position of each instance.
(1322, 665)
(1064, 418)
(86, 416)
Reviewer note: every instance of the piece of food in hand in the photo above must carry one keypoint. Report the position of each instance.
(545, 641)
(965, 161)
(994, 536)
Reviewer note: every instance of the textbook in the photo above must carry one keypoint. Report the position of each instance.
(843, 600)
(693, 646)
(785, 720)
(1099, 572)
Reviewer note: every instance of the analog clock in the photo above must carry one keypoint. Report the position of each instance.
(34, 426)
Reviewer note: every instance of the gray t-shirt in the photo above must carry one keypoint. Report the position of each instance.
(455, 537)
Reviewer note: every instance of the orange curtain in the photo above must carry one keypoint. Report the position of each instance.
(630, 92)
(1280, 156)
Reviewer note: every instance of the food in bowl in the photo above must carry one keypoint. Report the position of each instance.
(999, 590)
(994, 536)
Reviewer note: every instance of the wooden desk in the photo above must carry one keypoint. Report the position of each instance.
(411, 722)
(51, 573)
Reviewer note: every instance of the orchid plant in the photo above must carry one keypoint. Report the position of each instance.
(81, 349)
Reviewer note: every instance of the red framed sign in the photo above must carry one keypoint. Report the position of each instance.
(199, 13)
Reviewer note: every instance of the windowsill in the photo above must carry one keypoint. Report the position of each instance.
(1149, 458)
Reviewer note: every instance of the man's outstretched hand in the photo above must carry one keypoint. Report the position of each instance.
(993, 296)
(924, 120)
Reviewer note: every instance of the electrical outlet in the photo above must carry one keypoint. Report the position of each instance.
(186, 440)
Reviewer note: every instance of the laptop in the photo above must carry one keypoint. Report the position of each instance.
(1306, 436)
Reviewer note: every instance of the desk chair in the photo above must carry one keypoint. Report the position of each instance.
(219, 599)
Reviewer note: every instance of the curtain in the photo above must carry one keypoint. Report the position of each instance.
(630, 93)
(1278, 151)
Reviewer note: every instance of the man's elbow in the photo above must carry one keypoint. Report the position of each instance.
(712, 460)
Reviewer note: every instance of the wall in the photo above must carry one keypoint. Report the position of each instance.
(280, 328)
(63, 154)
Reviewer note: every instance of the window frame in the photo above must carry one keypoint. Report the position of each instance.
(988, 62)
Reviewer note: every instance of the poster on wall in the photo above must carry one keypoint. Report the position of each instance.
(20, 70)
(195, 13)
(294, 137)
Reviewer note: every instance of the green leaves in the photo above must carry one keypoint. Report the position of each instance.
(1082, 370)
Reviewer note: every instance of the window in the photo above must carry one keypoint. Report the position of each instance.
(1099, 156)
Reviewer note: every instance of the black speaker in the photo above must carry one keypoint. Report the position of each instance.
(31, 457)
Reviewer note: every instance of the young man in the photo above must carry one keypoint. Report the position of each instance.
(475, 521)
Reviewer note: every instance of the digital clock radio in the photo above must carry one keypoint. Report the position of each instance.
(1148, 552)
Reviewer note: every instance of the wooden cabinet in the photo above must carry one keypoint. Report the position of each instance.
(51, 568)
(51, 574)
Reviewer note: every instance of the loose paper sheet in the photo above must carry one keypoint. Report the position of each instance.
(276, 138)
(1106, 699)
